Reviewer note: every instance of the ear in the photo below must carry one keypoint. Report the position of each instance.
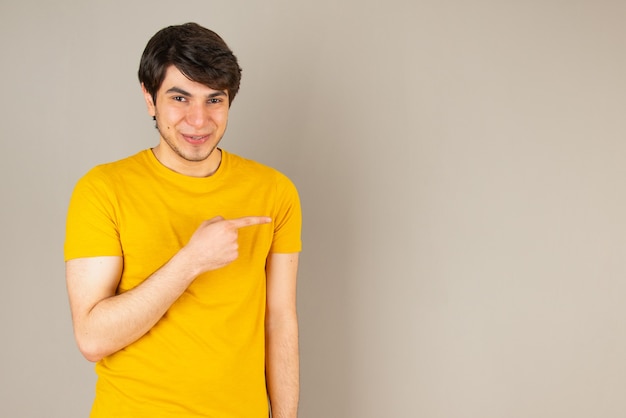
(149, 101)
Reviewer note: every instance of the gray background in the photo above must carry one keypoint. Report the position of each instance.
(461, 168)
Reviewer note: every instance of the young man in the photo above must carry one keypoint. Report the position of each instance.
(181, 260)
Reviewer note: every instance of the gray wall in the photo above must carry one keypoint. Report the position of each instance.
(461, 167)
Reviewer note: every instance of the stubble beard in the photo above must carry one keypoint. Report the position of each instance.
(191, 158)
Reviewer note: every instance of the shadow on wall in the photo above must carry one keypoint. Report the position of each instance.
(324, 300)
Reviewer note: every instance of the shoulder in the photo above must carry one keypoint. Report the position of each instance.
(114, 171)
(250, 168)
(134, 162)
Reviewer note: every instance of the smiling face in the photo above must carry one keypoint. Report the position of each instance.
(191, 119)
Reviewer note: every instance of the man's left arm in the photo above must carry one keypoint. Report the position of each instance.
(281, 334)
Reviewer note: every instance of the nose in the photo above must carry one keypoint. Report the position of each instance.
(196, 115)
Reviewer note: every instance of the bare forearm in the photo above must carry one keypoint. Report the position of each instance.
(282, 358)
(117, 321)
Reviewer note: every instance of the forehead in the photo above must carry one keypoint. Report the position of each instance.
(175, 78)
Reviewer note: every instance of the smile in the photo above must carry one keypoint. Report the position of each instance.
(195, 138)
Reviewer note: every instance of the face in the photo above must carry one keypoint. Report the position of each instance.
(191, 119)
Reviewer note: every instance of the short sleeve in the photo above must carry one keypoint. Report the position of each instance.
(288, 218)
(91, 224)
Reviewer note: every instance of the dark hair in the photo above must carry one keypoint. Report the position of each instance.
(199, 53)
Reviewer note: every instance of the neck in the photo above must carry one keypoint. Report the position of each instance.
(203, 168)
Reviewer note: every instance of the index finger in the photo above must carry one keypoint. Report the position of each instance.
(249, 221)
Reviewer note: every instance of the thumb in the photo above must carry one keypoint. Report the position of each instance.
(214, 219)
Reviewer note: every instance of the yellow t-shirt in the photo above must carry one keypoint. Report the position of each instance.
(206, 356)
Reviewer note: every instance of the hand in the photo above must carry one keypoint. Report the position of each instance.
(215, 243)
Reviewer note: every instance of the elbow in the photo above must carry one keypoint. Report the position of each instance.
(93, 357)
(90, 349)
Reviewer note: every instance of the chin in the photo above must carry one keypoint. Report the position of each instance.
(197, 156)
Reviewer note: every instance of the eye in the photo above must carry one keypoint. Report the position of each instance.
(179, 98)
(215, 100)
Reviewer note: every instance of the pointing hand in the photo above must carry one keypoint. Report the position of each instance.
(215, 243)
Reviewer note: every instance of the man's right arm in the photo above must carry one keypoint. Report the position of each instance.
(105, 322)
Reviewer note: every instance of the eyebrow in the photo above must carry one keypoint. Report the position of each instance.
(186, 93)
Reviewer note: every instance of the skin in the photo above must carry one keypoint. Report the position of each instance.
(281, 335)
(191, 119)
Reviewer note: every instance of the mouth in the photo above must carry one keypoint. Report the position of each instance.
(195, 139)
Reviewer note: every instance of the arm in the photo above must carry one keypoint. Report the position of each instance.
(105, 322)
(281, 334)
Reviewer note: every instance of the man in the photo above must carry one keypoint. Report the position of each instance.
(181, 260)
